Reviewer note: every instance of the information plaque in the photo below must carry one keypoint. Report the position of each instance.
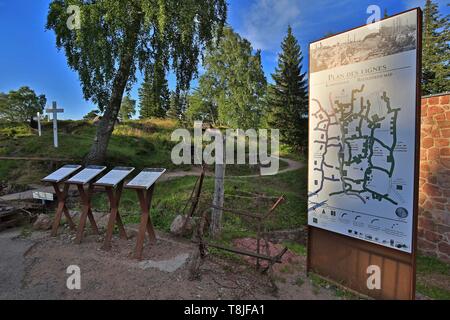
(363, 164)
(62, 173)
(114, 177)
(86, 175)
(146, 178)
(362, 137)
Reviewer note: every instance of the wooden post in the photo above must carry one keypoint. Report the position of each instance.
(218, 199)
(54, 110)
(38, 119)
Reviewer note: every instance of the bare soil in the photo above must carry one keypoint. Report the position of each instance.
(116, 275)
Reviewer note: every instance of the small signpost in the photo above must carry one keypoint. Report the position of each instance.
(113, 183)
(54, 110)
(144, 184)
(44, 196)
(38, 119)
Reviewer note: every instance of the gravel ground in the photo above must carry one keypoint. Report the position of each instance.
(35, 268)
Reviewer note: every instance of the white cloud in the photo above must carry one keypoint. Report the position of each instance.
(266, 22)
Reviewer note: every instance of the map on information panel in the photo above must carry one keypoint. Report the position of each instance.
(362, 132)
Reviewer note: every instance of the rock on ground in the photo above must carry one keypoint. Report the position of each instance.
(43, 222)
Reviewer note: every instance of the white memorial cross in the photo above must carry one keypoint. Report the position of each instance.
(55, 112)
(38, 118)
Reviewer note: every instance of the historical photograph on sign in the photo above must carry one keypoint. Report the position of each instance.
(383, 39)
(362, 132)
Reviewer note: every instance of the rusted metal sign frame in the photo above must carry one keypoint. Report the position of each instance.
(260, 219)
(344, 260)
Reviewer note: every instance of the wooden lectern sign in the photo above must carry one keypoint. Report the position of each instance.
(364, 127)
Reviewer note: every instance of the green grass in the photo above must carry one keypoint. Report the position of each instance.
(319, 282)
(168, 201)
(139, 144)
(171, 196)
(430, 272)
(143, 144)
(296, 248)
(432, 291)
(432, 265)
(299, 281)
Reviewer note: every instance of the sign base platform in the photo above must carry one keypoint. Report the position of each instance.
(346, 261)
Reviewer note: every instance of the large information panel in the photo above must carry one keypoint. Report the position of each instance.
(362, 132)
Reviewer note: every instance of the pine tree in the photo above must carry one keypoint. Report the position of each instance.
(288, 97)
(178, 105)
(154, 95)
(127, 108)
(436, 51)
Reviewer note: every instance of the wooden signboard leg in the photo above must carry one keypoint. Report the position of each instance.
(61, 195)
(114, 216)
(146, 224)
(86, 213)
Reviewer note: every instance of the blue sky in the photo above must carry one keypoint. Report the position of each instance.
(28, 55)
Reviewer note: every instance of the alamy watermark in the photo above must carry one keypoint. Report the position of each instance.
(74, 20)
(375, 16)
(215, 147)
(374, 279)
(74, 280)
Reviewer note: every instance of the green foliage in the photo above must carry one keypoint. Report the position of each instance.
(135, 143)
(295, 247)
(432, 265)
(299, 281)
(233, 87)
(14, 130)
(112, 29)
(436, 51)
(154, 94)
(117, 38)
(288, 97)
(91, 115)
(201, 108)
(127, 108)
(433, 278)
(21, 105)
(433, 291)
(319, 282)
(178, 105)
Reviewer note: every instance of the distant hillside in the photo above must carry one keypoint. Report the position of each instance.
(134, 143)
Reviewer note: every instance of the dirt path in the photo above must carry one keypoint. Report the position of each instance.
(36, 268)
(195, 171)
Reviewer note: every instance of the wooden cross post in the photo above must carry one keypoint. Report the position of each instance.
(54, 110)
(38, 119)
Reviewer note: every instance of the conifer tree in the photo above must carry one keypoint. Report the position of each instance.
(436, 51)
(288, 96)
(178, 105)
(154, 94)
(127, 108)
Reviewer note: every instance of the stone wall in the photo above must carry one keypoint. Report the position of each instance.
(434, 182)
